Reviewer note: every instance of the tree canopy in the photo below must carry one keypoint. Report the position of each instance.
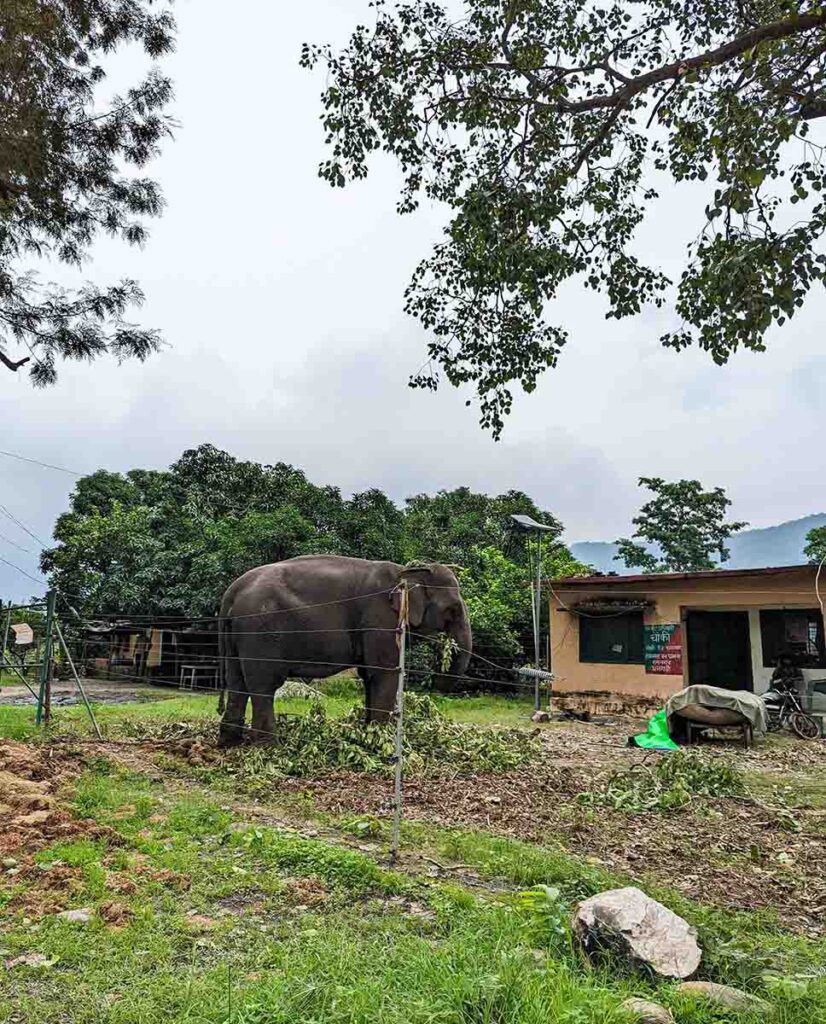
(66, 162)
(684, 525)
(547, 130)
(815, 549)
(169, 543)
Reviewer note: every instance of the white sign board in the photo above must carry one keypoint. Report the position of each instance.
(23, 634)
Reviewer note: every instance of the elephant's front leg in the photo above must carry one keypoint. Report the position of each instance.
(382, 692)
(232, 724)
(263, 718)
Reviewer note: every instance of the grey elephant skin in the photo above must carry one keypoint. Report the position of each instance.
(316, 615)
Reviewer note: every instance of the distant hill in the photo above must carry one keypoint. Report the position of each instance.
(751, 549)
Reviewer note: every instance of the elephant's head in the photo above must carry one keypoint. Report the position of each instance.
(435, 605)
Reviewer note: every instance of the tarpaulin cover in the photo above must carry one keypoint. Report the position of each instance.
(656, 736)
(742, 702)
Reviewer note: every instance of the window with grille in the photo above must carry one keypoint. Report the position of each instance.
(612, 639)
(796, 632)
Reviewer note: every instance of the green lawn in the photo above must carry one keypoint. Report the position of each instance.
(18, 721)
(203, 913)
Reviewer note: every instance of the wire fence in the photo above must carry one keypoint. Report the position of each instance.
(243, 665)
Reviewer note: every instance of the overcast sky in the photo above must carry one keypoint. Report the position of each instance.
(281, 302)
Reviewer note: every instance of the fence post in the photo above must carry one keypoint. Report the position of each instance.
(44, 699)
(78, 683)
(397, 786)
(5, 640)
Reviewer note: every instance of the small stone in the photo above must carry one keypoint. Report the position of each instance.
(723, 996)
(82, 916)
(638, 929)
(9, 862)
(646, 1012)
(35, 818)
(200, 922)
(29, 960)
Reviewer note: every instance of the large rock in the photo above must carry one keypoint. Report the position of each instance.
(723, 997)
(645, 1012)
(639, 930)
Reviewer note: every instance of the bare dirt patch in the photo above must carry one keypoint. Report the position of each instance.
(30, 775)
(29, 778)
(733, 853)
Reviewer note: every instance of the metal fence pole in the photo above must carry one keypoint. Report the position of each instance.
(5, 640)
(397, 786)
(78, 683)
(538, 620)
(44, 699)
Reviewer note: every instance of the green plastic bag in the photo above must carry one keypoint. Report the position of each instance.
(656, 736)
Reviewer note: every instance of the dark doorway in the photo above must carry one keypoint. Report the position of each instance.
(719, 649)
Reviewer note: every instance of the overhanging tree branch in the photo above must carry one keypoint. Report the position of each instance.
(702, 62)
(512, 90)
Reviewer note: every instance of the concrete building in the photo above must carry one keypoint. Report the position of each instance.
(636, 639)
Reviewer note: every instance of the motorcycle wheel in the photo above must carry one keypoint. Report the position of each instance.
(806, 727)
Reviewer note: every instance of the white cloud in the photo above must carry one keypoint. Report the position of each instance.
(281, 301)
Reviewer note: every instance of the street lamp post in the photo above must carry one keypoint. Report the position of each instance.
(528, 525)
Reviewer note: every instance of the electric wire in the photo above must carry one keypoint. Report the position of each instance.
(37, 462)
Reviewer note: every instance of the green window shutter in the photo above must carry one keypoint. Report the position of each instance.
(612, 639)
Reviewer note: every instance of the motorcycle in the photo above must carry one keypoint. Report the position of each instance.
(784, 711)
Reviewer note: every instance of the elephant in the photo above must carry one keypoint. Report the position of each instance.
(316, 615)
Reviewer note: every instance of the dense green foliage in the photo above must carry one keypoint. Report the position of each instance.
(169, 543)
(685, 524)
(547, 131)
(66, 150)
(815, 549)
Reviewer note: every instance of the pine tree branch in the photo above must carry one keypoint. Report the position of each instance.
(13, 366)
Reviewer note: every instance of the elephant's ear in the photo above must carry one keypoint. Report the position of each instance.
(416, 598)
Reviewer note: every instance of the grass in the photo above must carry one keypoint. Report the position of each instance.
(231, 922)
(378, 946)
(322, 933)
(17, 722)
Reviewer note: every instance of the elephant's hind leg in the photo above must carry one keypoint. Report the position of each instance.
(232, 724)
(263, 718)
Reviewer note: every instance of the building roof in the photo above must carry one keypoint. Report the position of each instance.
(654, 578)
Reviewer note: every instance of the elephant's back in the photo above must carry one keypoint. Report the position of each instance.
(305, 580)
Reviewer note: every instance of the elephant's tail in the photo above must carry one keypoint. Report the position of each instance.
(224, 630)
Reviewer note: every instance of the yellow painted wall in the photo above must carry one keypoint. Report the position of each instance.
(672, 599)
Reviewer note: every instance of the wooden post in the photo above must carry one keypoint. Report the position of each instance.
(44, 699)
(397, 786)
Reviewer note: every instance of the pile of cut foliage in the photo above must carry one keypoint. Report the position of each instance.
(672, 783)
(315, 743)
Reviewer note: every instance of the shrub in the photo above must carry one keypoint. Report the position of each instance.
(670, 784)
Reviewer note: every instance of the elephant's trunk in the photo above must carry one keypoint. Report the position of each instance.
(459, 632)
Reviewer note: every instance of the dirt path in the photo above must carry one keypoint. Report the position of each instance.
(101, 691)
